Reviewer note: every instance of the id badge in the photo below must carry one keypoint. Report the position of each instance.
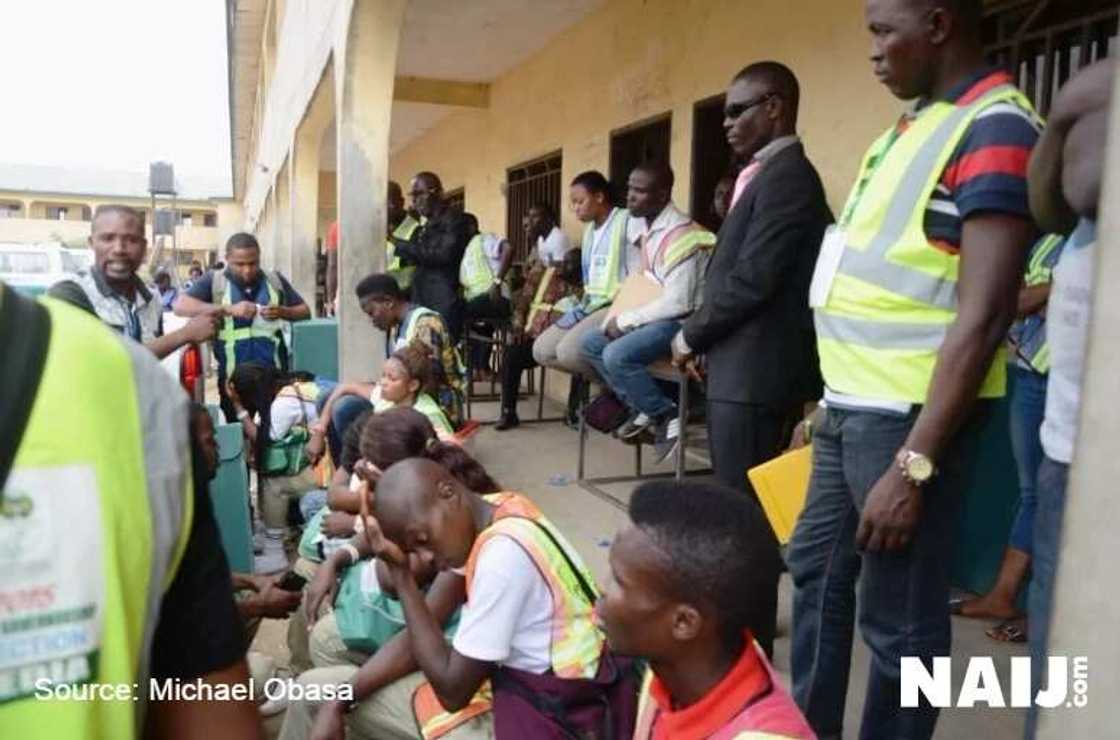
(828, 264)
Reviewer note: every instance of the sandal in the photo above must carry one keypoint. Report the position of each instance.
(1012, 630)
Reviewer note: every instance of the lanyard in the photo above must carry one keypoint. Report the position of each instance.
(871, 169)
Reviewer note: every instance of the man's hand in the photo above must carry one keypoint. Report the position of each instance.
(329, 723)
(273, 602)
(689, 364)
(388, 551)
(321, 590)
(338, 524)
(890, 514)
(273, 313)
(244, 310)
(612, 329)
(202, 328)
(316, 446)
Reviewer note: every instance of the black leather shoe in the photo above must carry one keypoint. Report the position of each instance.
(507, 421)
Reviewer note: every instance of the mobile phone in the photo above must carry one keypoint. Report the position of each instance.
(291, 581)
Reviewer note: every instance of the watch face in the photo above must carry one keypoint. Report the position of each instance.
(920, 468)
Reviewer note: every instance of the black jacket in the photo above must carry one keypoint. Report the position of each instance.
(754, 324)
(436, 250)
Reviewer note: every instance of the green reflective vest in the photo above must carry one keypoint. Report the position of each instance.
(894, 295)
(603, 260)
(404, 231)
(95, 518)
(475, 274)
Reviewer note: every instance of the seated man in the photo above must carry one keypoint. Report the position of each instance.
(384, 302)
(685, 574)
(674, 254)
(547, 293)
(527, 624)
(482, 274)
(543, 230)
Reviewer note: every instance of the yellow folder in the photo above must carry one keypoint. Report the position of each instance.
(781, 485)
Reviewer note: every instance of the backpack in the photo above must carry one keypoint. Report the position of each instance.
(25, 327)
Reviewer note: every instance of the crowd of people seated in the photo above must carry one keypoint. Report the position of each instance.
(438, 604)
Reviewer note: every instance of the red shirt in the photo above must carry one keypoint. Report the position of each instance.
(747, 698)
(332, 237)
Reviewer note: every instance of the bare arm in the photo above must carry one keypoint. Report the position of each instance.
(343, 389)
(207, 720)
(395, 658)
(993, 251)
(992, 257)
(1032, 299)
(186, 305)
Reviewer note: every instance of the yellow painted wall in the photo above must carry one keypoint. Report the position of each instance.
(634, 59)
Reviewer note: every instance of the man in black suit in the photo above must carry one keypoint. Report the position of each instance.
(436, 251)
(754, 325)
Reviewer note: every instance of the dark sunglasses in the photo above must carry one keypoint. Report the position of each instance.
(732, 112)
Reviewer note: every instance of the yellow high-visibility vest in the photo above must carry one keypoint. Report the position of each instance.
(405, 229)
(894, 295)
(95, 518)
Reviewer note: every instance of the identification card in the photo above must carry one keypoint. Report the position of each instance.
(828, 264)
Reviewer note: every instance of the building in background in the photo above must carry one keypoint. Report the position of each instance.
(42, 205)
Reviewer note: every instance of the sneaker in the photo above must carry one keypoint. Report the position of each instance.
(668, 438)
(634, 426)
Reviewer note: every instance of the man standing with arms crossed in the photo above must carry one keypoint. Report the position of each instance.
(914, 292)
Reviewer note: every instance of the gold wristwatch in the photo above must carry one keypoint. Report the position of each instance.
(916, 468)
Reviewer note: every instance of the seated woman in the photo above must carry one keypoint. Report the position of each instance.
(337, 639)
(284, 405)
(406, 380)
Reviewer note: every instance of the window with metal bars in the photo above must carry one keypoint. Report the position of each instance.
(536, 181)
(1045, 42)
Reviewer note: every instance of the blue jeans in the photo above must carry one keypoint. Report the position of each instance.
(903, 595)
(1028, 405)
(345, 410)
(1053, 477)
(622, 364)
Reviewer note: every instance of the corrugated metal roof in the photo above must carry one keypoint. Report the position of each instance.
(34, 178)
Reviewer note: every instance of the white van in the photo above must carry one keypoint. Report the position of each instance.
(32, 268)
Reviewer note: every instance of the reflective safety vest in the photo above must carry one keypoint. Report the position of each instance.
(538, 304)
(475, 274)
(427, 406)
(676, 247)
(576, 642)
(241, 340)
(602, 261)
(94, 519)
(894, 295)
(1029, 334)
(404, 231)
(406, 332)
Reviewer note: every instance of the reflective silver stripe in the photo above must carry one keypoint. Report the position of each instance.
(880, 334)
(164, 421)
(871, 264)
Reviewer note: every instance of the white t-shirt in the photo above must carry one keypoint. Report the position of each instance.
(508, 617)
(286, 414)
(1067, 332)
(553, 247)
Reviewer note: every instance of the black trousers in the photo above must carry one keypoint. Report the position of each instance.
(741, 436)
(517, 359)
(483, 307)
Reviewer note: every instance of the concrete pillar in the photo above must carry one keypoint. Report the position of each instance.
(366, 62)
(283, 221)
(1085, 610)
(304, 189)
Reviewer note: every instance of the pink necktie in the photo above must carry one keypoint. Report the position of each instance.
(743, 180)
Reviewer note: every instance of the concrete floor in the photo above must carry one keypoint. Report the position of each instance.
(540, 461)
